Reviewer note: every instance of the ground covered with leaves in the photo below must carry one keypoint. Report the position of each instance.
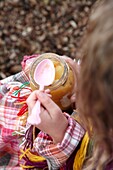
(39, 26)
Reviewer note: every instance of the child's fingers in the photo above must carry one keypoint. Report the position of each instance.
(47, 102)
(31, 100)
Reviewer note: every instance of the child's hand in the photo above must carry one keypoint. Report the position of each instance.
(53, 121)
(76, 68)
(74, 65)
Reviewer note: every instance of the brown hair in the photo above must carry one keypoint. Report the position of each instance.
(95, 90)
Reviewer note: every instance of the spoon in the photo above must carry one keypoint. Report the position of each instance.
(44, 75)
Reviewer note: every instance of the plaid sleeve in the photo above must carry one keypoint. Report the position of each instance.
(19, 77)
(9, 121)
(57, 154)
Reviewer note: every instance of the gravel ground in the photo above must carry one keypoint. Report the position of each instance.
(38, 26)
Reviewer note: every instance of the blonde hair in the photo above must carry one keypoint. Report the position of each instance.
(95, 90)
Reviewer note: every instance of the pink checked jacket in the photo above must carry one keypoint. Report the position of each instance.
(14, 91)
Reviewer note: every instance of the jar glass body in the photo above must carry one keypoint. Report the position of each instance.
(62, 87)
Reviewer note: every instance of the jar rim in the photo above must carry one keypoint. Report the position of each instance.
(53, 56)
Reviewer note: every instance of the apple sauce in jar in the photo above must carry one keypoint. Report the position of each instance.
(63, 85)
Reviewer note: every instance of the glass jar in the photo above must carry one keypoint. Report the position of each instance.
(62, 87)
